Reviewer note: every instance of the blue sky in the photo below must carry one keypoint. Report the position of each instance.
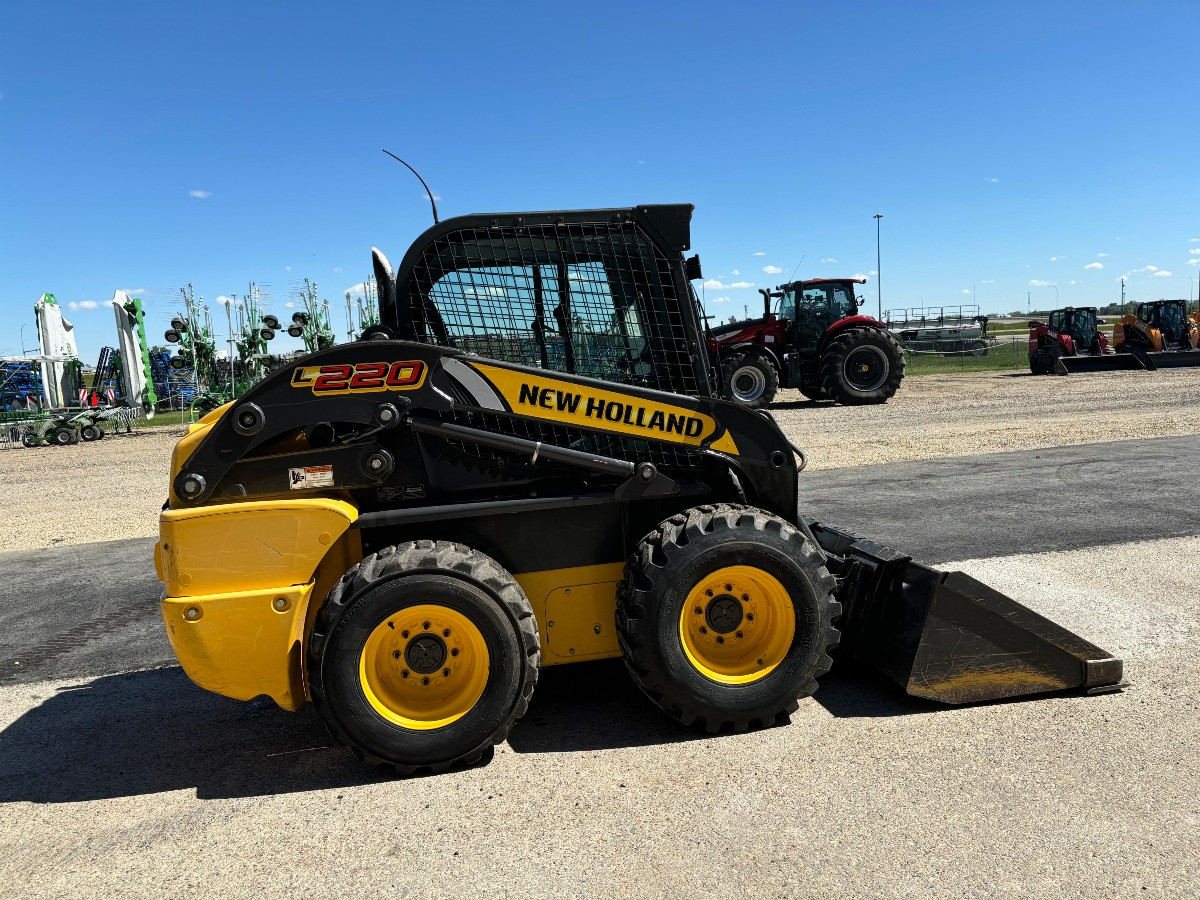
(1012, 147)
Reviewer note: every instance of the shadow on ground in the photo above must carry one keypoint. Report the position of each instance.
(154, 731)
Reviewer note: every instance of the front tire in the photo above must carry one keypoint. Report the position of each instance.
(725, 617)
(862, 366)
(750, 380)
(423, 656)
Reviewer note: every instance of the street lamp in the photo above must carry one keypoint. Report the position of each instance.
(878, 268)
(1191, 287)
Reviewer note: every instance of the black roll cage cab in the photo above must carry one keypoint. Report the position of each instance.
(640, 250)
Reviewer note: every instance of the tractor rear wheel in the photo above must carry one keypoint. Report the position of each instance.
(750, 379)
(423, 656)
(814, 393)
(725, 617)
(860, 366)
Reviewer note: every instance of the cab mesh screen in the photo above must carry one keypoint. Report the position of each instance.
(593, 299)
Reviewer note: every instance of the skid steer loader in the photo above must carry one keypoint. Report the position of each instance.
(1158, 335)
(524, 465)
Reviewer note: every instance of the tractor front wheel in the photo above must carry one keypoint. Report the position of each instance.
(725, 617)
(861, 366)
(423, 656)
(750, 379)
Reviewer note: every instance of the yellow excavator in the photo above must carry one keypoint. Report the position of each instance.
(527, 463)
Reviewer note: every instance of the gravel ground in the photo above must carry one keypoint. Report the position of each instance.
(113, 489)
(142, 784)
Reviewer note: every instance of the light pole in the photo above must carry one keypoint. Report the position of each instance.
(878, 268)
(22, 338)
(1191, 286)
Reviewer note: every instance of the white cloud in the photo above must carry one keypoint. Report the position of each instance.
(1148, 269)
(1056, 258)
(356, 290)
(872, 272)
(1033, 282)
(828, 259)
(641, 162)
(772, 270)
(1194, 240)
(741, 284)
(736, 272)
(200, 195)
(1195, 252)
(1162, 273)
(713, 285)
(718, 300)
(289, 305)
(992, 180)
(988, 281)
(759, 253)
(1096, 265)
(1073, 282)
(225, 301)
(337, 269)
(134, 292)
(1194, 262)
(287, 268)
(861, 275)
(1102, 254)
(965, 291)
(82, 304)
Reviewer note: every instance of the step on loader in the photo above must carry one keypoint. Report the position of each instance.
(1158, 335)
(525, 464)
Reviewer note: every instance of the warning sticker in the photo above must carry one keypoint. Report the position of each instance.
(310, 477)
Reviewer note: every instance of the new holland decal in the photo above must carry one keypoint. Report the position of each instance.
(360, 378)
(576, 404)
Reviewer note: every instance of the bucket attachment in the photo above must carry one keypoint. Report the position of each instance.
(945, 636)
(1106, 362)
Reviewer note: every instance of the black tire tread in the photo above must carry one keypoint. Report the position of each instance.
(444, 557)
(654, 550)
(765, 365)
(833, 358)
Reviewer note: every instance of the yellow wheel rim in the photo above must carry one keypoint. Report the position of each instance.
(737, 625)
(424, 667)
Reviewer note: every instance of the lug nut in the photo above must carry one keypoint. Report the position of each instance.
(760, 662)
(749, 617)
(745, 598)
(720, 640)
(729, 587)
(426, 626)
(708, 593)
(699, 611)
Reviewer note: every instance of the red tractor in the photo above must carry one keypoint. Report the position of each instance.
(1068, 332)
(816, 342)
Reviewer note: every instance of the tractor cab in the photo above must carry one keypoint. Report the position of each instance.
(1080, 324)
(810, 307)
(1170, 318)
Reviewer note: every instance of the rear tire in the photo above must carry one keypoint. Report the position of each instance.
(423, 656)
(763, 630)
(862, 366)
(750, 380)
(814, 393)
